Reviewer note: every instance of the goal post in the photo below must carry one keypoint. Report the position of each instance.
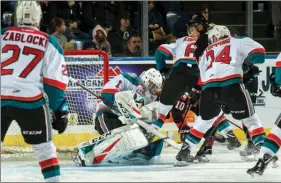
(91, 68)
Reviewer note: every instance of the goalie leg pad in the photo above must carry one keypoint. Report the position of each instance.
(119, 141)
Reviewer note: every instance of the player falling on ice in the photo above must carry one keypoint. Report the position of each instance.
(272, 142)
(122, 141)
(32, 63)
(222, 84)
(183, 76)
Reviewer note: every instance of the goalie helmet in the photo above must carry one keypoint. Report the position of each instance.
(29, 13)
(152, 79)
(217, 32)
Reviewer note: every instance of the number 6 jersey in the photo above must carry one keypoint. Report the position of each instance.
(221, 62)
(32, 63)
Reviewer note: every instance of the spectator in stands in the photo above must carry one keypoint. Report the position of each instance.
(133, 47)
(276, 18)
(99, 41)
(57, 28)
(205, 11)
(99, 13)
(120, 33)
(156, 24)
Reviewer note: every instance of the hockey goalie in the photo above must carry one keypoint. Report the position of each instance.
(127, 98)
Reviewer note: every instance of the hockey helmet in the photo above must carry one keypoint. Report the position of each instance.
(216, 32)
(152, 80)
(29, 13)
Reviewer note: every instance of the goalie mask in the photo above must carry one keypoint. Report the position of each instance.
(29, 13)
(152, 80)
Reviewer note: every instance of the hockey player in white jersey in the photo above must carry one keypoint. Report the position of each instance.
(221, 75)
(185, 66)
(272, 142)
(121, 140)
(32, 63)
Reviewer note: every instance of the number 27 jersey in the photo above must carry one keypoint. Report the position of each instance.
(221, 62)
(32, 63)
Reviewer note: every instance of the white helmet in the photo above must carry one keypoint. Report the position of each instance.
(217, 31)
(152, 79)
(28, 12)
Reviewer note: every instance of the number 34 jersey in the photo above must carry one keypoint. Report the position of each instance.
(32, 63)
(221, 62)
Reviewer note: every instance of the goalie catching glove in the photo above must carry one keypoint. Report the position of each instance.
(60, 119)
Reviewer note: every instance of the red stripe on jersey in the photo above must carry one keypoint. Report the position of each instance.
(256, 131)
(162, 48)
(27, 30)
(196, 133)
(109, 90)
(274, 138)
(223, 78)
(257, 50)
(10, 97)
(54, 83)
(278, 64)
(48, 162)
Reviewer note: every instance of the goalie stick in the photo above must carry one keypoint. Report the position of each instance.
(138, 121)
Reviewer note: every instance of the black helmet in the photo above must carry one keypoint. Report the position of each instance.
(196, 19)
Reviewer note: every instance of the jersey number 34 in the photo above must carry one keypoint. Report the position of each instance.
(223, 56)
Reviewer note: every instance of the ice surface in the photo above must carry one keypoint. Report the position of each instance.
(225, 166)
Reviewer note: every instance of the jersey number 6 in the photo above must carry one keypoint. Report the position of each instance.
(223, 57)
(15, 57)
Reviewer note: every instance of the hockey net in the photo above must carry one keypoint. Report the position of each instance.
(90, 67)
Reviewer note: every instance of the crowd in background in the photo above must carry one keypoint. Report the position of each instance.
(115, 26)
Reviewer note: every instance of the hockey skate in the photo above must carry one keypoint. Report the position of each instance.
(262, 164)
(77, 158)
(219, 138)
(250, 153)
(250, 149)
(232, 141)
(183, 158)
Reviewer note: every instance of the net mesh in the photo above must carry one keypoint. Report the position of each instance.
(90, 68)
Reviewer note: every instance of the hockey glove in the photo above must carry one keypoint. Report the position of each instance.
(165, 72)
(274, 88)
(249, 75)
(195, 94)
(60, 119)
(183, 132)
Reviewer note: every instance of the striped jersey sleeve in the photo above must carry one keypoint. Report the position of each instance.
(55, 77)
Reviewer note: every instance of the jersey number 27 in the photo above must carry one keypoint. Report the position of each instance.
(15, 57)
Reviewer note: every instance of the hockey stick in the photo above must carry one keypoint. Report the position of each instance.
(201, 150)
(138, 121)
(185, 115)
(235, 125)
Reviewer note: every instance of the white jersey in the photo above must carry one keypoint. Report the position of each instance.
(221, 62)
(122, 82)
(182, 51)
(32, 62)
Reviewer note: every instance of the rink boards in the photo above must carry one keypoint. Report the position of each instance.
(268, 107)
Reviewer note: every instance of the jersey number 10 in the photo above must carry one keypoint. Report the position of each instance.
(15, 57)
